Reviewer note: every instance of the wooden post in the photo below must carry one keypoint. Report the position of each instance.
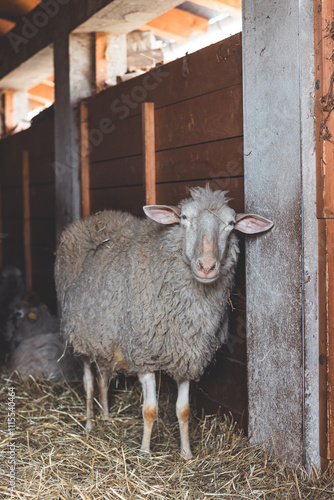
(324, 133)
(74, 81)
(149, 152)
(1, 227)
(26, 219)
(84, 145)
(282, 265)
(101, 42)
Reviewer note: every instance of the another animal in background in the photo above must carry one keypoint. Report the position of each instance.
(11, 287)
(139, 296)
(43, 356)
(29, 317)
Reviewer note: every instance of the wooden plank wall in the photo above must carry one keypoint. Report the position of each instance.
(38, 142)
(198, 139)
(324, 87)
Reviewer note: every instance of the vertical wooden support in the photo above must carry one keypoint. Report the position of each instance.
(101, 65)
(26, 219)
(149, 152)
(324, 132)
(324, 107)
(84, 145)
(282, 265)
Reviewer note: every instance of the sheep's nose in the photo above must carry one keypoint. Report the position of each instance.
(207, 266)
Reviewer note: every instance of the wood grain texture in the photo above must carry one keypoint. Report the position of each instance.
(148, 138)
(324, 94)
(84, 156)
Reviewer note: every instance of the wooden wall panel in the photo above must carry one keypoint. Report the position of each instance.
(38, 141)
(213, 68)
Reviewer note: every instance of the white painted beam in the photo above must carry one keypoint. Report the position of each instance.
(282, 265)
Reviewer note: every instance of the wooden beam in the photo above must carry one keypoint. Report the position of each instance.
(84, 154)
(230, 7)
(324, 109)
(42, 92)
(1, 226)
(149, 152)
(101, 43)
(26, 219)
(40, 28)
(177, 24)
(5, 26)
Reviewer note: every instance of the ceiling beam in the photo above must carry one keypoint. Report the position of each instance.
(15, 9)
(5, 26)
(230, 7)
(40, 27)
(177, 24)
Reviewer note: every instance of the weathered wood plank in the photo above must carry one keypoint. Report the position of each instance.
(129, 199)
(42, 201)
(207, 118)
(172, 193)
(330, 343)
(165, 86)
(201, 161)
(324, 91)
(148, 137)
(323, 336)
(84, 157)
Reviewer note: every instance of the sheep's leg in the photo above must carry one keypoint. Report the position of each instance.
(182, 412)
(103, 384)
(88, 381)
(150, 407)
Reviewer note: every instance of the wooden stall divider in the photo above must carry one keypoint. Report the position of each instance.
(26, 219)
(84, 151)
(324, 127)
(148, 135)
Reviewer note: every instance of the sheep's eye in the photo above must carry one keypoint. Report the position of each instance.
(183, 216)
(232, 223)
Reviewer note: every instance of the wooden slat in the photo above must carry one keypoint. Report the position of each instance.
(42, 201)
(116, 173)
(128, 199)
(324, 66)
(214, 159)
(172, 193)
(100, 60)
(330, 329)
(177, 24)
(230, 7)
(206, 118)
(323, 340)
(26, 220)
(165, 85)
(84, 150)
(148, 135)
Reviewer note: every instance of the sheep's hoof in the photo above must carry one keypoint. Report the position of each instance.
(89, 425)
(187, 455)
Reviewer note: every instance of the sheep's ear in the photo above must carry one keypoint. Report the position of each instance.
(163, 214)
(252, 224)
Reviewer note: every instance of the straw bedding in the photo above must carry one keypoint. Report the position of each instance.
(56, 459)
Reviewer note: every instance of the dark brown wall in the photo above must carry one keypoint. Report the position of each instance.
(38, 140)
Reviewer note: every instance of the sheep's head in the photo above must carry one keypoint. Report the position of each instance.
(208, 223)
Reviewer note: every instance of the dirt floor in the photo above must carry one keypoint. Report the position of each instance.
(54, 458)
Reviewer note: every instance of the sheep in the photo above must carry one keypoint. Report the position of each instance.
(43, 356)
(11, 287)
(28, 317)
(137, 296)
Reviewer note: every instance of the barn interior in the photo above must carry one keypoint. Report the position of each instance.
(114, 105)
(186, 60)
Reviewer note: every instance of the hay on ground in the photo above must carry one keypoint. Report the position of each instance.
(56, 459)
